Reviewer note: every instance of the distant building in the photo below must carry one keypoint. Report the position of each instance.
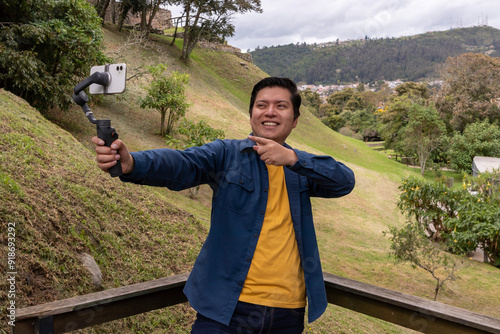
(484, 164)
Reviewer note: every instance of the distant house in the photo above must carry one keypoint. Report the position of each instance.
(484, 164)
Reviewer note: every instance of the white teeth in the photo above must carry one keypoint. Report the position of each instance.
(270, 123)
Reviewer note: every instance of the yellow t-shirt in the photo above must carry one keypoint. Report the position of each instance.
(275, 277)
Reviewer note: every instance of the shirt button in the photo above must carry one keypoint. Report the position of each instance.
(265, 190)
(240, 283)
(256, 235)
(262, 212)
(248, 259)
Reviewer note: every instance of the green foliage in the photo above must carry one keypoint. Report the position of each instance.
(410, 244)
(346, 99)
(360, 121)
(478, 220)
(211, 21)
(413, 90)
(461, 219)
(471, 87)
(407, 58)
(312, 99)
(167, 94)
(47, 47)
(478, 139)
(352, 109)
(423, 133)
(195, 134)
(429, 203)
(393, 119)
(334, 121)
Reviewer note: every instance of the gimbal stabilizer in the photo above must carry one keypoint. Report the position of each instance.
(104, 129)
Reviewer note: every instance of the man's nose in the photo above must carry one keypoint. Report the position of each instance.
(271, 110)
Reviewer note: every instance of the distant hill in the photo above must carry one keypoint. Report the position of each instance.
(408, 58)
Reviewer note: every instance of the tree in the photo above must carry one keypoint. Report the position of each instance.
(46, 47)
(312, 99)
(334, 122)
(470, 91)
(210, 20)
(101, 7)
(423, 133)
(346, 99)
(413, 90)
(166, 94)
(134, 6)
(410, 244)
(477, 139)
(142, 7)
(395, 118)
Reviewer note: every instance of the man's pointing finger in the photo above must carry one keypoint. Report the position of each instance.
(259, 140)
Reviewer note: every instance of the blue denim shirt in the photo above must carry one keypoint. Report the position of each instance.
(239, 181)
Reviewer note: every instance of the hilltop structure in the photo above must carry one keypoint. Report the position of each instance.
(162, 21)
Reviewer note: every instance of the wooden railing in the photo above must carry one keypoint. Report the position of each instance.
(96, 308)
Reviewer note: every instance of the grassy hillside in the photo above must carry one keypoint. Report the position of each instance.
(63, 205)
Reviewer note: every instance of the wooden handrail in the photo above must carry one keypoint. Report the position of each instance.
(70, 314)
(409, 311)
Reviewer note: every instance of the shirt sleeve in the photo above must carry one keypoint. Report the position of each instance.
(326, 176)
(176, 169)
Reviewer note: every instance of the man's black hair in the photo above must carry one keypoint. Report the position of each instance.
(278, 82)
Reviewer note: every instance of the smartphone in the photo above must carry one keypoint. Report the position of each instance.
(118, 74)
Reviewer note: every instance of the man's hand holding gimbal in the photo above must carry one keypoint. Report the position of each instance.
(108, 156)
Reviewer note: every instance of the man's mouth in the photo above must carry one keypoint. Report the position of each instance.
(270, 123)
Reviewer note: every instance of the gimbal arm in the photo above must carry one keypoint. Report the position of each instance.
(104, 129)
(79, 96)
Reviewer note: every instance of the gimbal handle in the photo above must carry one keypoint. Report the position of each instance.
(104, 129)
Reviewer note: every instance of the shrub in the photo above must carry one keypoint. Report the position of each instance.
(463, 219)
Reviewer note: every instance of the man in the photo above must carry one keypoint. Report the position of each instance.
(260, 261)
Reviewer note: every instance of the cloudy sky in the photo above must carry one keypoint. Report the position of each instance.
(315, 21)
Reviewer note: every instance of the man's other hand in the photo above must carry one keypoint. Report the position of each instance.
(273, 153)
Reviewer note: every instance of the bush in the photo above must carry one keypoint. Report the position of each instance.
(477, 222)
(463, 219)
(429, 203)
(346, 131)
(47, 47)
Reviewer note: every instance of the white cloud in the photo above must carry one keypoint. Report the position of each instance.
(312, 21)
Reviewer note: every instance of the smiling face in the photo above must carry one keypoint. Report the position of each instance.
(272, 114)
